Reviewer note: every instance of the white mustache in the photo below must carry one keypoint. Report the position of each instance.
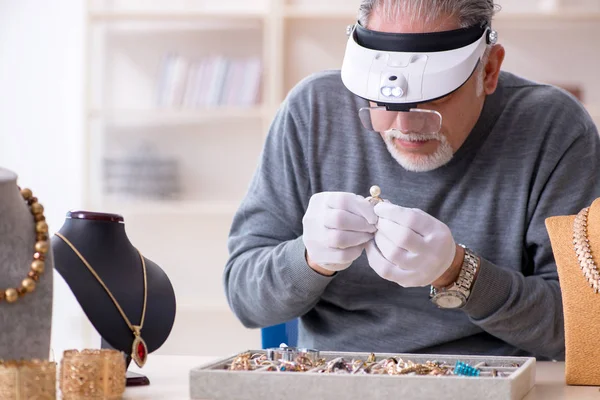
(412, 137)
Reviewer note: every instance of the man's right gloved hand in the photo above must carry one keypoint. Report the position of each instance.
(337, 226)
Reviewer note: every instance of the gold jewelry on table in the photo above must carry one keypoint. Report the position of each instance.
(358, 366)
(243, 362)
(260, 359)
(92, 374)
(371, 358)
(36, 268)
(584, 251)
(391, 366)
(375, 192)
(21, 380)
(139, 350)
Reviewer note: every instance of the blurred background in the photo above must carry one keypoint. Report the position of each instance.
(158, 109)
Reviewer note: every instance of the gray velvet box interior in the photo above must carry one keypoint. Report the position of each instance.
(214, 382)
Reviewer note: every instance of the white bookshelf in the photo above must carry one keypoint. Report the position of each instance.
(594, 110)
(174, 208)
(177, 117)
(549, 17)
(162, 16)
(348, 11)
(218, 146)
(342, 11)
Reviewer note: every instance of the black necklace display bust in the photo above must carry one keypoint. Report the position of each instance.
(101, 239)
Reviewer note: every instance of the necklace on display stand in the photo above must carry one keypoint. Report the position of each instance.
(583, 250)
(37, 266)
(139, 350)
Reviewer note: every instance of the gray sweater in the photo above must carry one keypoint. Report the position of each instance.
(534, 153)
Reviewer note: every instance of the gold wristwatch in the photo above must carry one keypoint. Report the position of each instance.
(457, 294)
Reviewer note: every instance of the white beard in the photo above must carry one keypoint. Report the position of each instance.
(419, 162)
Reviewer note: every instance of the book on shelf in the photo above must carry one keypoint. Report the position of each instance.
(213, 81)
(142, 173)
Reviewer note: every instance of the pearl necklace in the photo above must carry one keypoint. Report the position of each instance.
(11, 295)
(583, 250)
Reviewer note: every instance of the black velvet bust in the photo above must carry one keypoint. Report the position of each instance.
(102, 241)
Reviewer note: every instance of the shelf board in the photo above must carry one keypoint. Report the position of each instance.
(303, 12)
(175, 116)
(551, 16)
(192, 208)
(175, 15)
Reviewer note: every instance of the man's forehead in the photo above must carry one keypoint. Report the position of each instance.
(412, 23)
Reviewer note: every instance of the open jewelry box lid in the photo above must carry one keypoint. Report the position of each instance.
(215, 381)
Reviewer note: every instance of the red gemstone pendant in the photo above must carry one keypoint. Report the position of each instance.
(139, 351)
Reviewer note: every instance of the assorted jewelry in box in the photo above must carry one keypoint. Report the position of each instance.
(289, 359)
(307, 373)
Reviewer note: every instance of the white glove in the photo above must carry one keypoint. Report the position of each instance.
(336, 227)
(411, 247)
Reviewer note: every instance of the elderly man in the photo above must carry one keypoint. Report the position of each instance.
(470, 161)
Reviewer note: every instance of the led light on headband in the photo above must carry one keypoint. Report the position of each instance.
(401, 70)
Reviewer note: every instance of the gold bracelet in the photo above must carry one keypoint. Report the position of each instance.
(27, 379)
(92, 374)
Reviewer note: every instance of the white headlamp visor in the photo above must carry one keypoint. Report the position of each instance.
(398, 71)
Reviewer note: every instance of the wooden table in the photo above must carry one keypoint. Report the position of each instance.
(169, 379)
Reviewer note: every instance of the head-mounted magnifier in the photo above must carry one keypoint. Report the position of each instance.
(399, 71)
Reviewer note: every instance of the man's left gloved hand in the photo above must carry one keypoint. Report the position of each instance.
(410, 247)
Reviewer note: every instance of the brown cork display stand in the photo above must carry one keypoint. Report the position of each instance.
(580, 303)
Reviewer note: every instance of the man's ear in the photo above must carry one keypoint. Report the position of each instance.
(492, 69)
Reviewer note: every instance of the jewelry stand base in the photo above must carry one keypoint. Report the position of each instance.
(133, 378)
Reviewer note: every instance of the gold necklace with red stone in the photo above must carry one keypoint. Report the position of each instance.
(583, 250)
(11, 295)
(139, 350)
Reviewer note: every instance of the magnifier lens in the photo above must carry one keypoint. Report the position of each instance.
(378, 119)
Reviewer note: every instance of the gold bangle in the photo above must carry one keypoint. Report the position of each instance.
(92, 374)
(27, 379)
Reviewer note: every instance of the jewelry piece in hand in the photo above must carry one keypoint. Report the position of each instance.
(375, 193)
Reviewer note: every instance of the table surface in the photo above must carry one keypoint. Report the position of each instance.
(169, 379)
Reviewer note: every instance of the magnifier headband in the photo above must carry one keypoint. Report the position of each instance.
(401, 70)
(428, 42)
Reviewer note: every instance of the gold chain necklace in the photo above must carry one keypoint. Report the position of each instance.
(11, 295)
(139, 350)
(584, 251)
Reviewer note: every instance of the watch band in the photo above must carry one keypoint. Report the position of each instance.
(466, 276)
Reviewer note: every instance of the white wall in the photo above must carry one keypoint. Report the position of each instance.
(41, 84)
(41, 124)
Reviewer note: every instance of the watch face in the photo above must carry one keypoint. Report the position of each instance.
(450, 300)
